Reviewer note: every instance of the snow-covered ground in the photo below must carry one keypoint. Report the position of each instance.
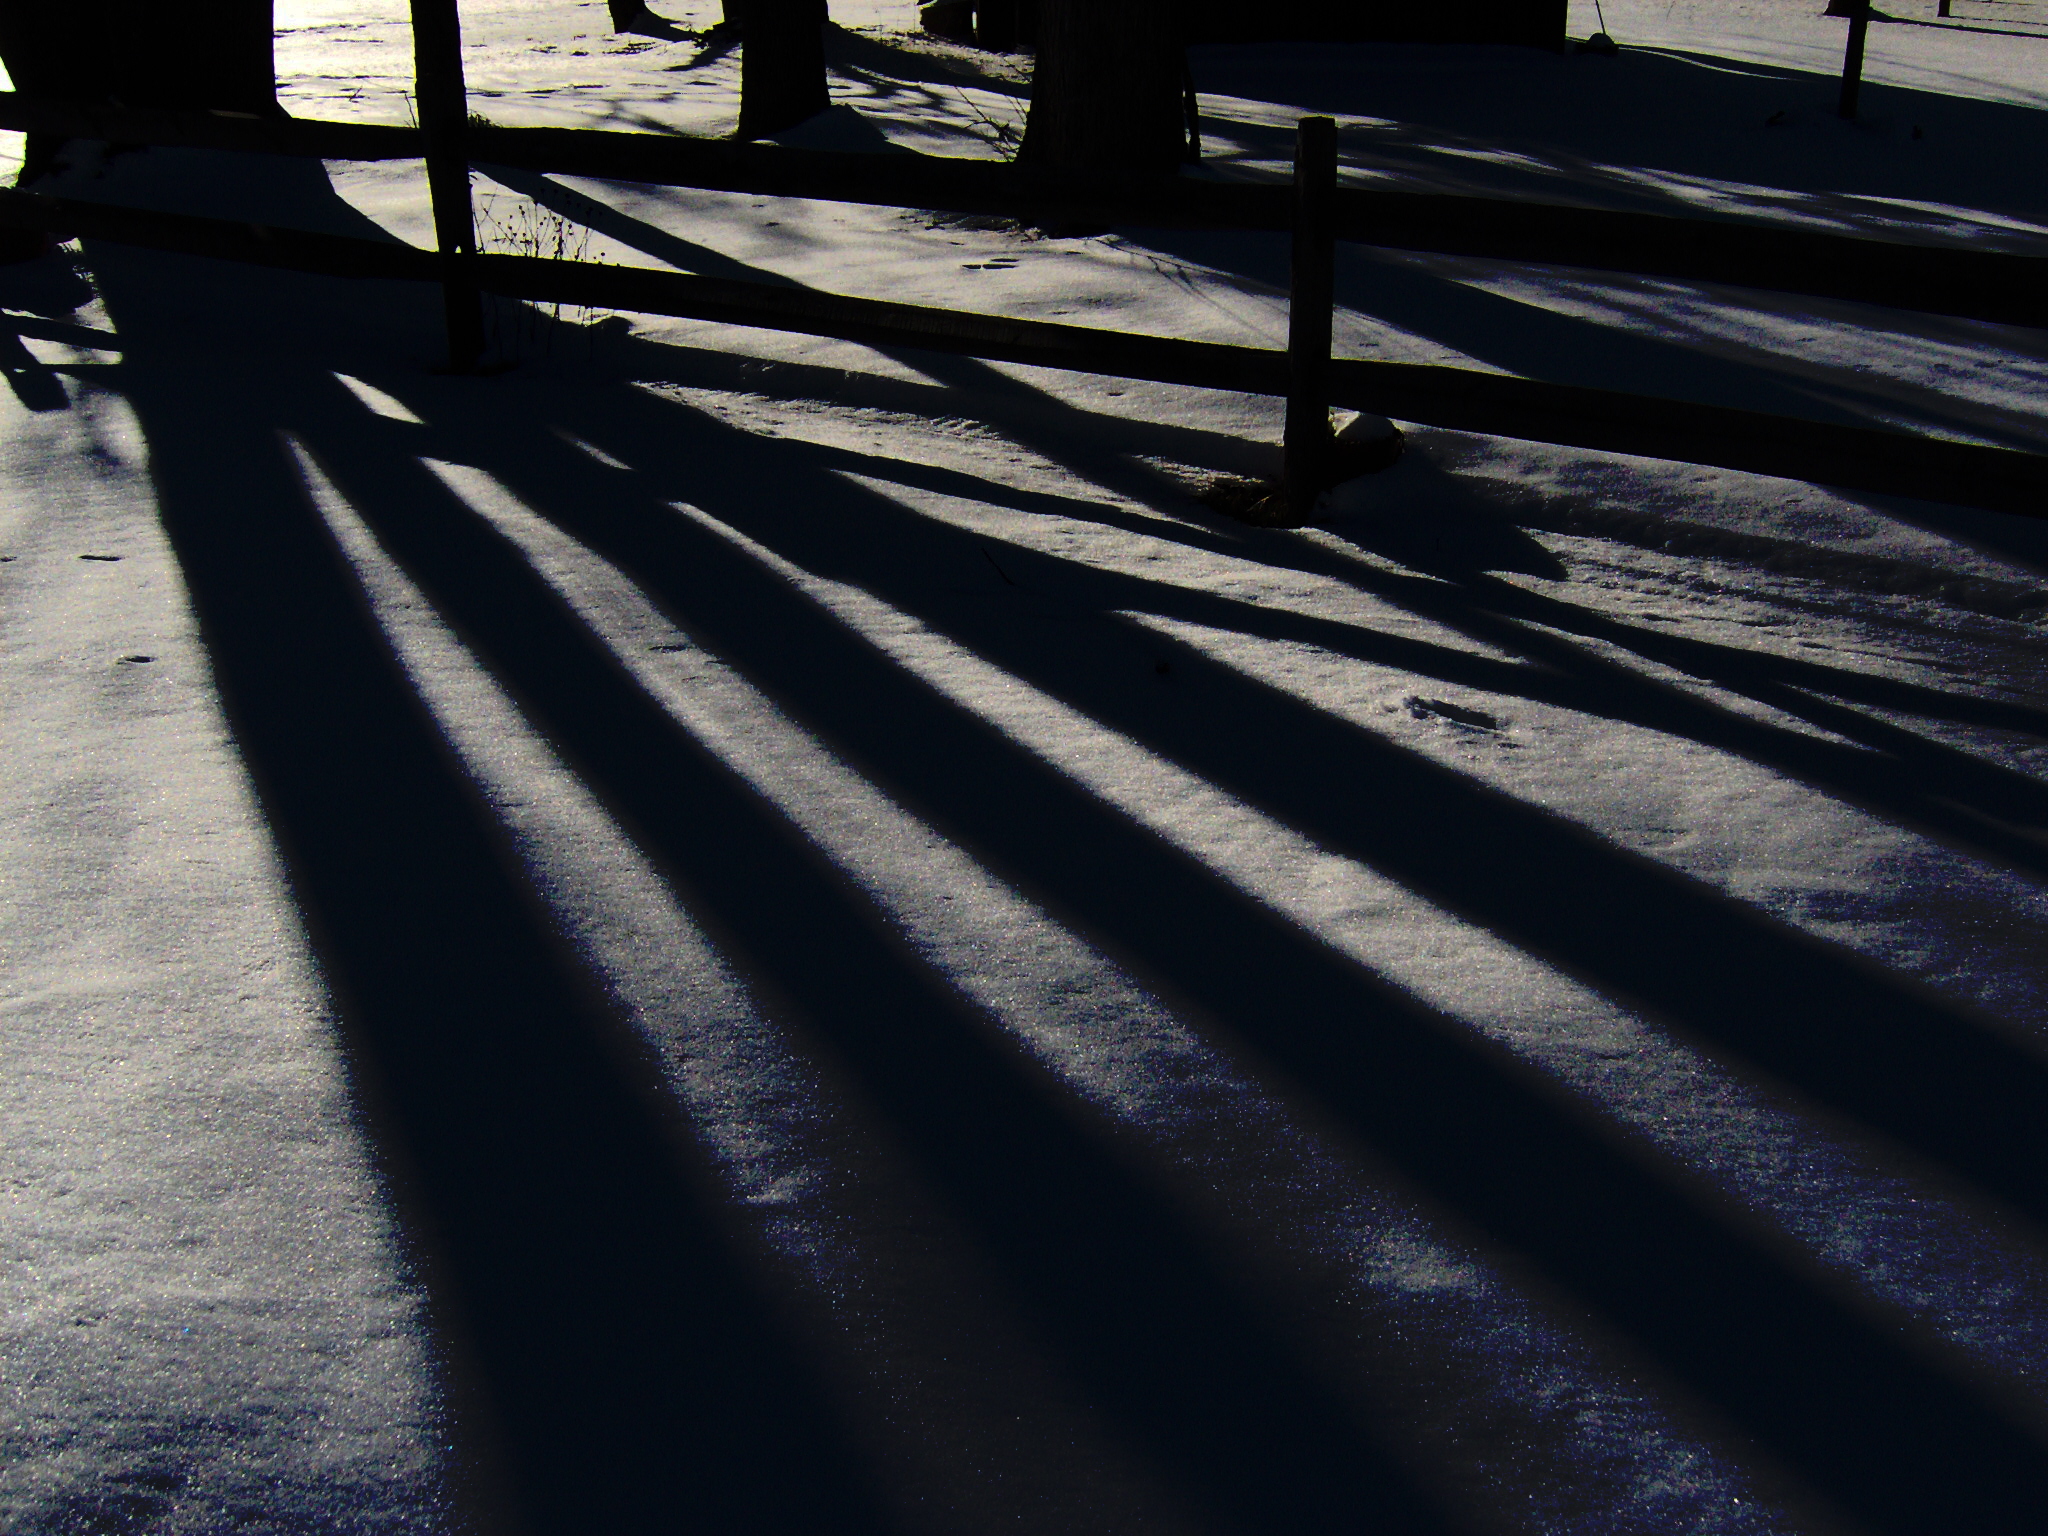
(731, 932)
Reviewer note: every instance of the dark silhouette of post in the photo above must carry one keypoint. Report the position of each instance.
(444, 116)
(1852, 58)
(1310, 295)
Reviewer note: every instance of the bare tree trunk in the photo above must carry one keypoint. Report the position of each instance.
(44, 48)
(782, 64)
(1004, 26)
(214, 54)
(1108, 90)
(206, 53)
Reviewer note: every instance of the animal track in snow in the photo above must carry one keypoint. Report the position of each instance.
(1457, 714)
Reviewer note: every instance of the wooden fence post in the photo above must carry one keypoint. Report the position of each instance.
(1310, 296)
(443, 101)
(1852, 58)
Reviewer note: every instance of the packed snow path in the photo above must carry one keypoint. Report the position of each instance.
(727, 932)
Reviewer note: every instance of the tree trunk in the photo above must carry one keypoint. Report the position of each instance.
(1108, 90)
(782, 64)
(213, 54)
(1004, 26)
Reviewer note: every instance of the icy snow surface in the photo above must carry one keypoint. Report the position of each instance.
(723, 931)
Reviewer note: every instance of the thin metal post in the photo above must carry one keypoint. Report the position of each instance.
(995, 25)
(1310, 295)
(444, 115)
(1852, 59)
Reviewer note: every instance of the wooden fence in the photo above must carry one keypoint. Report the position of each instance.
(1977, 285)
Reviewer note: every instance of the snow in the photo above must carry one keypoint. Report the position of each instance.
(732, 928)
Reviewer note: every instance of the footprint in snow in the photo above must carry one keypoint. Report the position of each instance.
(1457, 714)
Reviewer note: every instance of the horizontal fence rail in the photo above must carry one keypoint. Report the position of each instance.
(1978, 285)
(1853, 458)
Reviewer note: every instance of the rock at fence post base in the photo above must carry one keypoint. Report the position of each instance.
(1363, 445)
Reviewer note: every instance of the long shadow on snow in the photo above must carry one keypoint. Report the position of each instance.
(1527, 339)
(634, 1370)
(1072, 438)
(635, 1374)
(1916, 782)
(1899, 774)
(1512, 334)
(1903, 776)
(886, 68)
(1923, 1069)
(1839, 1400)
(1834, 1397)
(1147, 1321)
(586, 1275)
(638, 1376)
(1927, 770)
(1578, 129)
